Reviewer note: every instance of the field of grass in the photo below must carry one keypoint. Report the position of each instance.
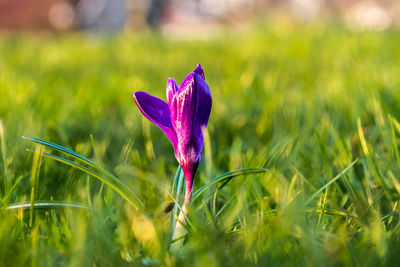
(316, 105)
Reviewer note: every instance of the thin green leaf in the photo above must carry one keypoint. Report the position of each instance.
(177, 187)
(128, 195)
(395, 145)
(51, 205)
(179, 238)
(86, 161)
(227, 177)
(331, 181)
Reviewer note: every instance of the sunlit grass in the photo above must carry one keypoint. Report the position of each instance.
(315, 105)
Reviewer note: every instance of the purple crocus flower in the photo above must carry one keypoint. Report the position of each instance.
(183, 119)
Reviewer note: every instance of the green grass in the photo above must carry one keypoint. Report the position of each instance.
(315, 104)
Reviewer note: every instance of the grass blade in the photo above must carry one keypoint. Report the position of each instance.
(177, 189)
(128, 195)
(52, 205)
(46, 205)
(227, 177)
(86, 161)
(331, 181)
(4, 158)
(395, 145)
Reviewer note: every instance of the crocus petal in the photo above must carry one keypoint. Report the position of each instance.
(172, 88)
(201, 113)
(199, 70)
(203, 106)
(157, 111)
(190, 109)
(182, 109)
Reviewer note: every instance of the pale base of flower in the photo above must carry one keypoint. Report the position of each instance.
(180, 230)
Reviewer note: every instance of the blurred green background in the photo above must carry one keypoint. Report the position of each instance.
(303, 100)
